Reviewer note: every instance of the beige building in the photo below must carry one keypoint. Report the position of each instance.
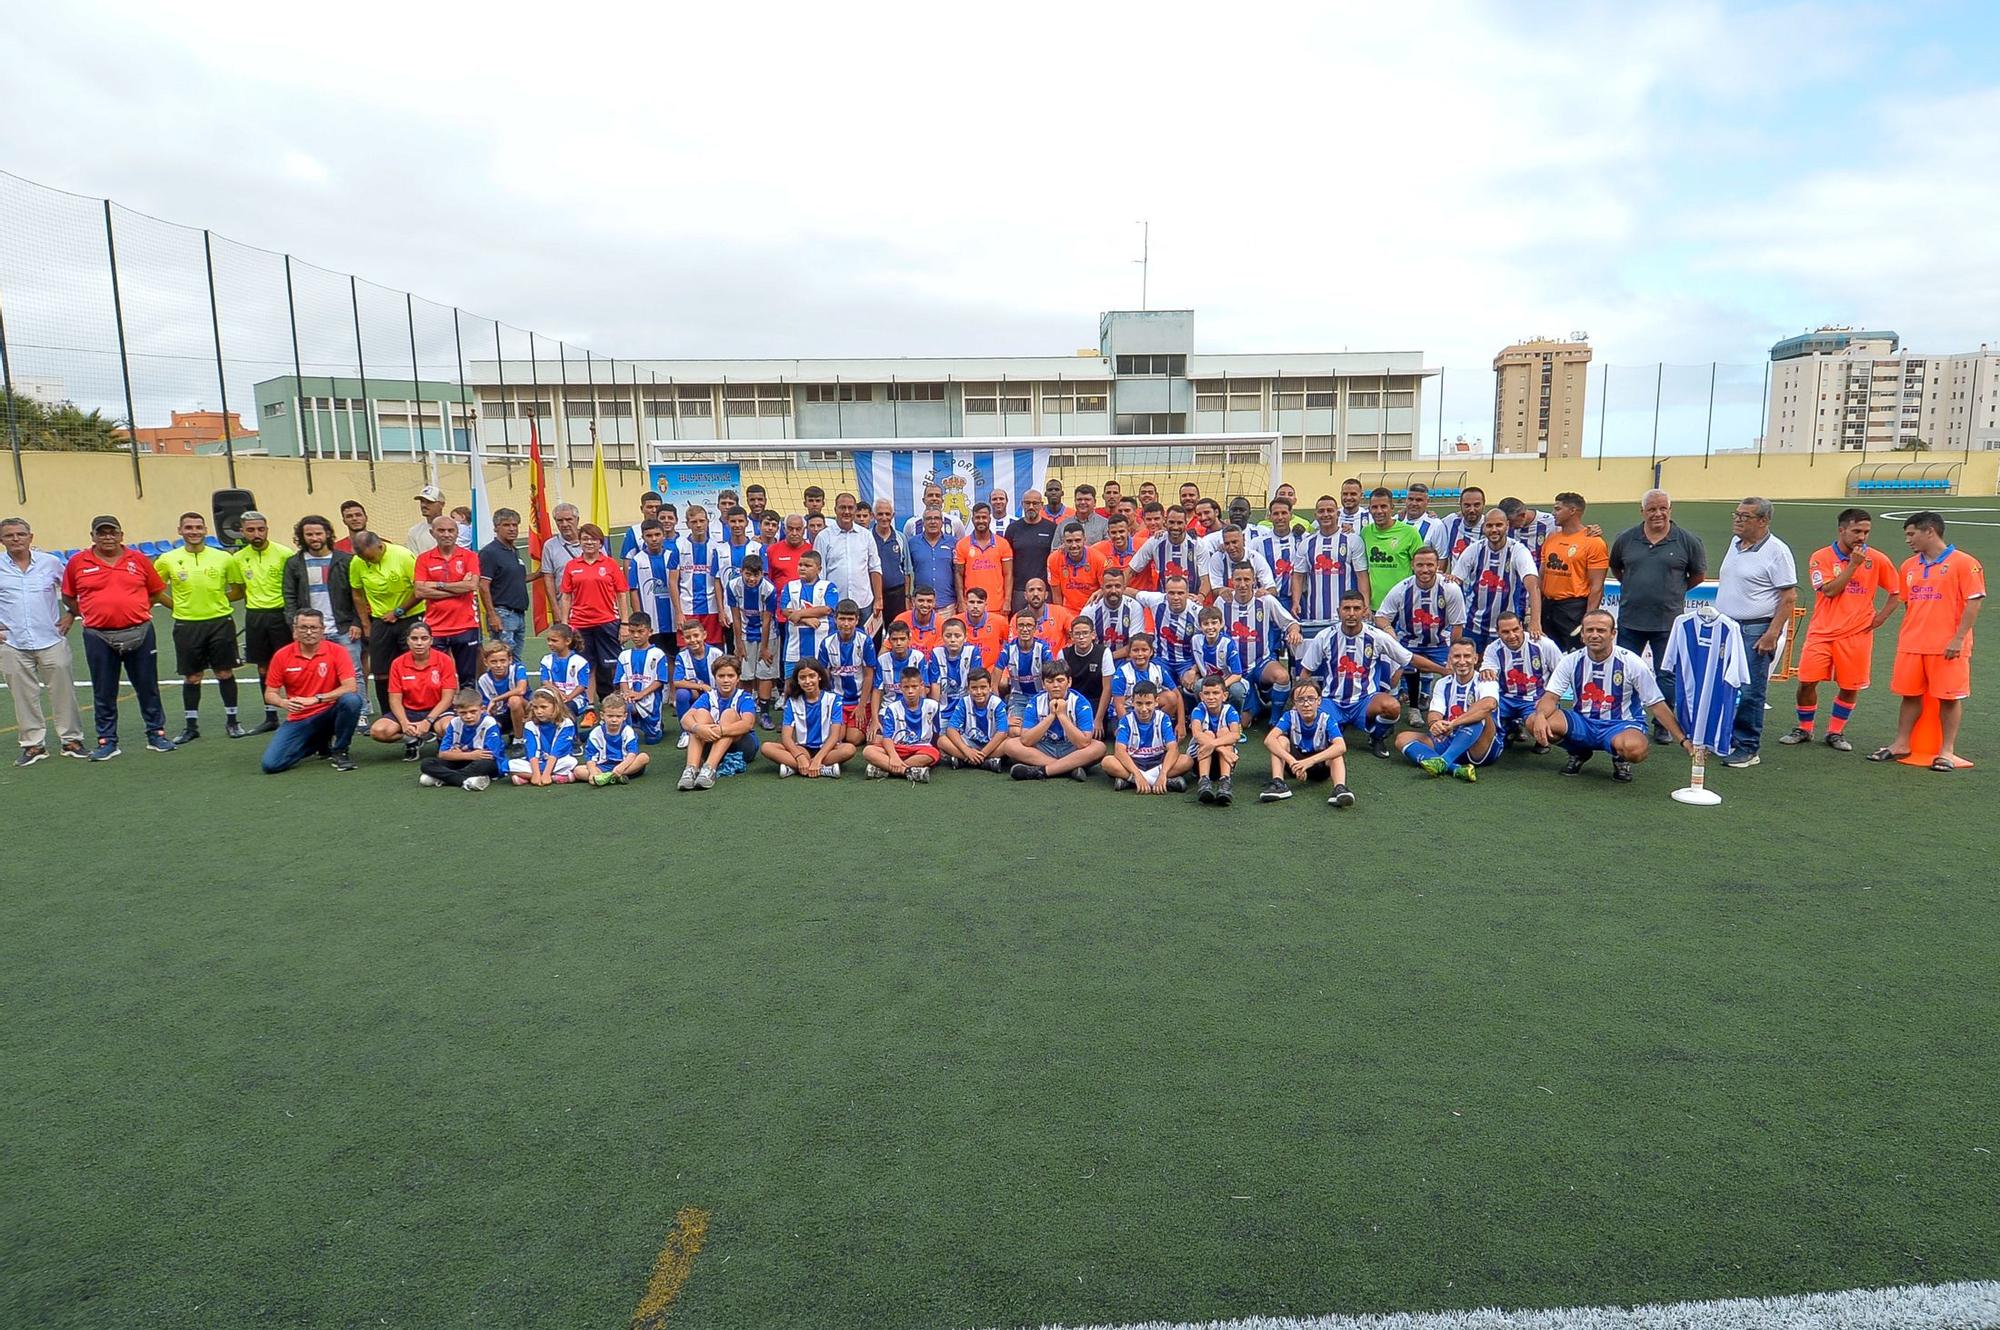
(1538, 397)
(1853, 390)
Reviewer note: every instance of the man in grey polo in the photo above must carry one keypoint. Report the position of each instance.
(1656, 563)
(1758, 588)
(34, 644)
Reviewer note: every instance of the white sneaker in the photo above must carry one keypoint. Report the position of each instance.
(687, 780)
(476, 783)
(681, 742)
(705, 779)
(429, 782)
(1747, 760)
(783, 771)
(873, 772)
(833, 770)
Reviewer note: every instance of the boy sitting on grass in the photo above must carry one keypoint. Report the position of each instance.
(1214, 726)
(1145, 756)
(612, 755)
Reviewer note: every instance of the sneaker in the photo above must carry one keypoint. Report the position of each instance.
(764, 720)
(1575, 763)
(1274, 791)
(566, 778)
(831, 771)
(1838, 743)
(620, 778)
(1224, 795)
(705, 779)
(476, 783)
(602, 779)
(1434, 766)
(994, 765)
(1342, 797)
(1205, 791)
(270, 726)
(1177, 785)
(1379, 745)
(159, 743)
(1078, 774)
(783, 771)
(1468, 773)
(518, 748)
(953, 762)
(106, 750)
(1742, 760)
(1621, 769)
(910, 774)
(1120, 784)
(75, 748)
(1539, 749)
(413, 750)
(188, 735)
(1798, 734)
(872, 772)
(687, 780)
(30, 756)
(429, 781)
(1022, 771)
(682, 741)
(340, 761)
(923, 775)
(233, 730)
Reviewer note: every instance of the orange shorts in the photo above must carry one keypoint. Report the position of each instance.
(1844, 660)
(1932, 676)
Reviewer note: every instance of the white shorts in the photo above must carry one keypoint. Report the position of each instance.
(519, 766)
(756, 667)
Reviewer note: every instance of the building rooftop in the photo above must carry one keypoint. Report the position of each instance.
(1827, 341)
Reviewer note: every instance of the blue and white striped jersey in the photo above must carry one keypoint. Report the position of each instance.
(1116, 625)
(733, 556)
(540, 738)
(812, 724)
(1535, 534)
(699, 564)
(1080, 712)
(570, 670)
(696, 670)
(753, 608)
(1280, 550)
(894, 664)
(1201, 718)
(1174, 630)
(1619, 687)
(1333, 565)
(647, 574)
(977, 724)
(719, 707)
(641, 667)
(1171, 558)
(1352, 668)
(1428, 526)
(1452, 699)
(1129, 676)
(1492, 579)
(1147, 741)
(1523, 675)
(1455, 536)
(606, 748)
(1216, 655)
(1705, 654)
(1257, 628)
(485, 736)
(802, 639)
(906, 724)
(948, 668)
(492, 690)
(1307, 737)
(851, 662)
(1422, 618)
(1024, 664)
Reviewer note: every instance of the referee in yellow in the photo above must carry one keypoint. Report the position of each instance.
(199, 577)
(258, 566)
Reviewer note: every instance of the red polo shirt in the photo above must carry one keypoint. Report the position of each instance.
(422, 687)
(457, 614)
(593, 587)
(117, 593)
(300, 675)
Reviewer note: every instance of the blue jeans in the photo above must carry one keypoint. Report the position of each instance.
(513, 629)
(330, 731)
(1636, 640)
(141, 665)
(1750, 700)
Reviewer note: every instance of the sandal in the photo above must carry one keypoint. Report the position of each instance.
(1885, 755)
(1943, 763)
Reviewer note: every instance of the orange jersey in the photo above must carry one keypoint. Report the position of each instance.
(1112, 558)
(989, 637)
(983, 566)
(1853, 610)
(1075, 583)
(1567, 561)
(923, 636)
(1054, 627)
(1936, 595)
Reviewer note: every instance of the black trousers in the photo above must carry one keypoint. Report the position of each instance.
(386, 641)
(600, 648)
(455, 773)
(1562, 618)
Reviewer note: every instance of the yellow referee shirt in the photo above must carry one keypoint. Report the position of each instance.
(386, 584)
(261, 573)
(199, 579)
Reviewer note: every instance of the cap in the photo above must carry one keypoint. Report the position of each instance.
(98, 524)
(431, 494)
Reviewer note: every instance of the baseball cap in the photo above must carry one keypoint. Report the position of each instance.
(97, 524)
(431, 494)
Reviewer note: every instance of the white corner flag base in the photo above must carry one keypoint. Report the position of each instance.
(1696, 791)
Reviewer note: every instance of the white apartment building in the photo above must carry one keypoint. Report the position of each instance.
(1852, 390)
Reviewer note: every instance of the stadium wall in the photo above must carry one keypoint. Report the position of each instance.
(65, 490)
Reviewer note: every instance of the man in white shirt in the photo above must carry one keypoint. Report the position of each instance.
(34, 644)
(851, 560)
(430, 501)
(1758, 587)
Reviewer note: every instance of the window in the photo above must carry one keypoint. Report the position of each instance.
(528, 410)
(1364, 443)
(981, 399)
(920, 392)
(1152, 364)
(1015, 403)
(1288, 399)
(618, 408)
(739, 400)
(696, 403)
(1246, 395)
(1169, 422)
(578, 408)
(774, 399)
(840, 392)
(1363, 401)
(1055, 406)
(1093, 401)
(1319, 394)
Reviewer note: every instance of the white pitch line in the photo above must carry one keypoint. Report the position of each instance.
(1963, 1306)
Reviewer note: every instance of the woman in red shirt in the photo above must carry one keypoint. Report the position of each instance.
(421, 684)
(595, 588)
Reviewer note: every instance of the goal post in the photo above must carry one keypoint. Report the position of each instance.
(1225, 466)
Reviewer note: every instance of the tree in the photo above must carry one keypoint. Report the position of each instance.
(1914, 446)
(62, 428)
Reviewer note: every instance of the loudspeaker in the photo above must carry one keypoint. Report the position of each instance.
(230, 505)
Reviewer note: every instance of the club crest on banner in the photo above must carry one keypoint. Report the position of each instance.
(959, 480)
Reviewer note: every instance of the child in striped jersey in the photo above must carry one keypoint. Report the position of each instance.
(898, 655)
(471, 748)
(1140, 667)
(753, 616)
(1214, 726)
(641, 676)
(566, 673)
(975, 726)
(694, 671)
(612, 756)
(1215, 655)
(903, 733)
(948, 664)
(723, 729)
(548, 744)
(1305, 744)
(812, 742)
(1144, 755)
(1462, 734)
(1020, 665)
(503, 688)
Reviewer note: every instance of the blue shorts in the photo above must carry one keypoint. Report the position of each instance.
(1493, 753)
(1352, 715)
(652, 728)
(1056, 744)
(1588, 736)
(1512, 711)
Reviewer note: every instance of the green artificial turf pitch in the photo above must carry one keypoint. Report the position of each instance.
(334, 1050)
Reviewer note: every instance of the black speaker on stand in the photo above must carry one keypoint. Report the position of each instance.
(229, 506)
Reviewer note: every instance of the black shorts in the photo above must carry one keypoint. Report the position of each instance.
(201, 645)
(264, 632)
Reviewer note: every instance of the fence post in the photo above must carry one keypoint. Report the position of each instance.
(361, 363)
(1972, 408)
(1812, 442)
(124, 359)
(1709, 438)
(416, 386)
(1441, 369)
(13, 424)
(299, 379)
(464, 404)
(1659, 378)
(1603, 412)
(221, 379)
(1764, 413)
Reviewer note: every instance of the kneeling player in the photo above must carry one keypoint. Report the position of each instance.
(1214, 726)
(1144, 756)
(975, 726)
(1521, 666)
(1305, 744)
(1358, 665)
(905, 731)
(1463, 735)
(1599, 698)
(1058, 735)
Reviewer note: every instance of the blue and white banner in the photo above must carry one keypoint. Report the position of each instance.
(966, 475)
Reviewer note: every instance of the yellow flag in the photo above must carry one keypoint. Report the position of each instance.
(600, 498)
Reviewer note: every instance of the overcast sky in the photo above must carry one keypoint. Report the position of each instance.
(1685, 181)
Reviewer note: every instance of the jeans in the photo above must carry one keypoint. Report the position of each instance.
(1750, 700)
(1636, 640)
(513, 629)
(141, 665)
(330, 731)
